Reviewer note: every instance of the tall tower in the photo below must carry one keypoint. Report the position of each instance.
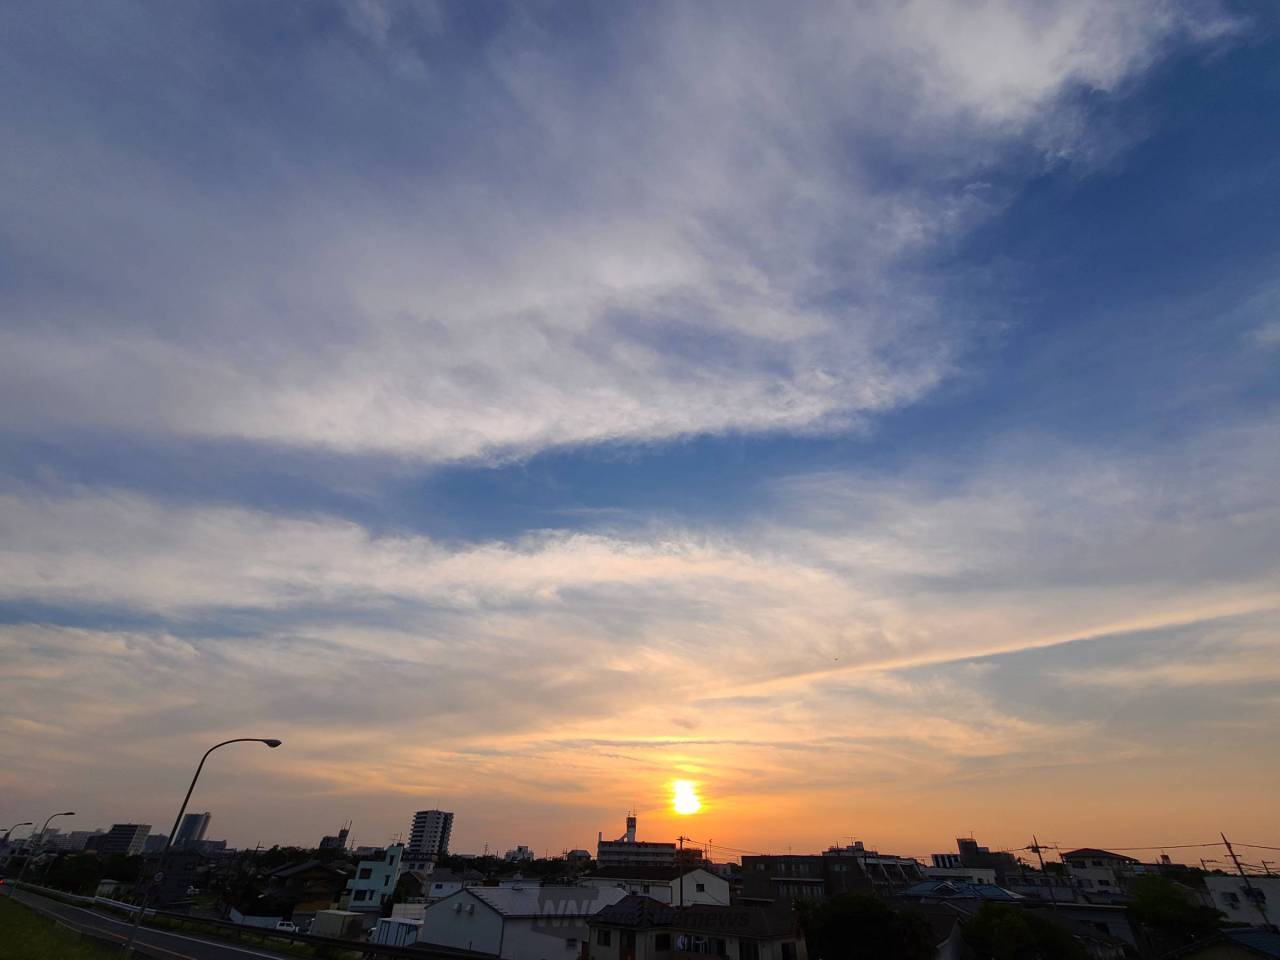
(191, 831)
(631, 829)
(429, 833)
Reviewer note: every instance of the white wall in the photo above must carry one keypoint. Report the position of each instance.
(715, 889)
(379, 885)
(475, 927)
(1232, 898)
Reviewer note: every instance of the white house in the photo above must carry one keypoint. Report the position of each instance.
(669, 885)
(1232, 897)
(375, 881)
(524, 923)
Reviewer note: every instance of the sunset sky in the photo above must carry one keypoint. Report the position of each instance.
(867, 413)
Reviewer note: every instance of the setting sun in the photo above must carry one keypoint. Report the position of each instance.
(684, 798)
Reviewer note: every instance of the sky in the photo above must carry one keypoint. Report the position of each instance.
(866, 412)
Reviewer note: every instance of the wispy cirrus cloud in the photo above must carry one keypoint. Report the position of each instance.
(702, 238)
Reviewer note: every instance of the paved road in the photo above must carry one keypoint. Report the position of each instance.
(167, 946)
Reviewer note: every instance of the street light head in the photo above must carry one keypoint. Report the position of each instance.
(69, 813)
(272, 743)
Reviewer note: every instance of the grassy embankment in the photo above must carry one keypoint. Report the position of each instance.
(25, 935)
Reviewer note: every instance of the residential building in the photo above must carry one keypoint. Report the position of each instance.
(628, 851)
(801, 877)
(154, 843)
(429, 834)
(578, 856)
(80, 838)
(886, 871)
(518, 854)
(669, 885)
(1255, 903)
(1099, 874)
(443, 882)
(517, 923)
(973, 855)
(213, 848)
(641, 928)
(124, 838)
(191, 831)
(961, 874)
(308, 886)
(370, 890)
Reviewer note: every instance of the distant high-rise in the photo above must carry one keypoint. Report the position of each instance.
(125, 838)
(191, 831)
(336, 841)
(429, 833)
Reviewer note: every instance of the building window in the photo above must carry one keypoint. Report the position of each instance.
(701, 888)
(366, 873)
(361, 895)
(662, 941)
(788, 950)
(604, 938)
(748, 950)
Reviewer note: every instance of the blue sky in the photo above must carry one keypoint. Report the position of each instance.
(870, 403)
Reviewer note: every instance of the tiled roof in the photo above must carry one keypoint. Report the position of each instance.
(537, 901)
(1096, 854)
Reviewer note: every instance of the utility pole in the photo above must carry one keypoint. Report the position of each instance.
(1035, 845)
(1253, 893)
(680, 868)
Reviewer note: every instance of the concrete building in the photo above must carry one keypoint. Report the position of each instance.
(973, 855)
(519, 854)
(429, 834)
(1232, 896)
(640, 928)
(788, 877)
(375, 881)
(960, 874)
(886, 871)
(336, 841)
(517, 923)
(628, 851)
(81, 838)
(443, 882)
(669, 885)
(191, 830)
(154, 844)
(124, 838)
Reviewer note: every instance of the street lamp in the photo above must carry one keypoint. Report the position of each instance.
(24, 823)
(34, 848)
(159, 876)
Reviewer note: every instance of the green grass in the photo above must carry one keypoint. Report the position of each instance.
(25, 935)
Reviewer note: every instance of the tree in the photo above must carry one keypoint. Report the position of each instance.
(856, 926)
(1169, 918)
(999, 931)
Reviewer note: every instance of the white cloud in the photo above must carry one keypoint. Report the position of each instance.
(691, 241)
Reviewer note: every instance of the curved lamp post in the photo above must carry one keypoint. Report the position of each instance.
(24, 823)
(35, 848)
(142, 908)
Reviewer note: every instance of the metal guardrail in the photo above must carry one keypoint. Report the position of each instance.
(423, 951)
